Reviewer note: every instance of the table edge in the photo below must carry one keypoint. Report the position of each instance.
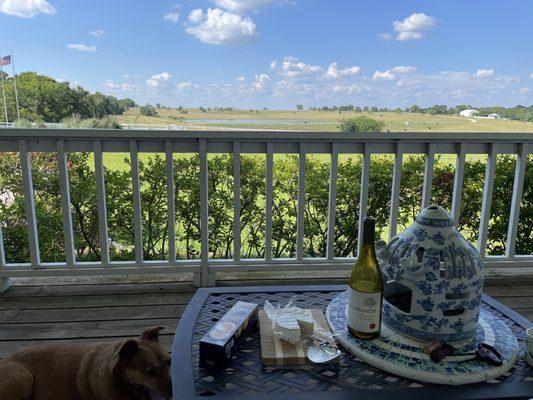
(184, 386)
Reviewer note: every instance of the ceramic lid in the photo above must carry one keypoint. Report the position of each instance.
(434, 216)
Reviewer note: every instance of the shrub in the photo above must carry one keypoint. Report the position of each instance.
(361, 124)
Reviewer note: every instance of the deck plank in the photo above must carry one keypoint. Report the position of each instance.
(32, 314)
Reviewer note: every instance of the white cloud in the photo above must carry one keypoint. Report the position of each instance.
(156, 80)
(260, 82)
(26, 8)
(524, 90)
(173, 15)
(349, 89)
(240, 6)
(196, 15)
(217, 26)
(334, 72)
(97, 33)
(291, 67)
(414, 26)
(383, 76)
(110, 84)
(392, 74)
(484, 73)
(82, 47)
(385, 36)
(404, 69)
(127, 87)
(183, 86)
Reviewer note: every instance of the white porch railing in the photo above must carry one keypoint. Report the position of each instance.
(62, 141)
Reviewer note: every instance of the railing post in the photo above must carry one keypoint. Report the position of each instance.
(363, 193)
(395, 190)
(332, 202)
(486, 204)
(518, 186)
(101, 202)
(206, 277)
(29, 202)
(64, 187)
(236, 201)
(137, 212)
(428, 175)
(5, 283)
(269, 200)
(300, 217)
(458, 184)
(171, 217)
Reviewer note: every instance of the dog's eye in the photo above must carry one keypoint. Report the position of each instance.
(153, 371)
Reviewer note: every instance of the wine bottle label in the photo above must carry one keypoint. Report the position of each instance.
(364, 311)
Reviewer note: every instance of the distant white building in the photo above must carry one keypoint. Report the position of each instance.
(468, 113)
(494, 116)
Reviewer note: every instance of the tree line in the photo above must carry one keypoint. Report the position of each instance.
(517, 113)
(253, 169)
(43, 99)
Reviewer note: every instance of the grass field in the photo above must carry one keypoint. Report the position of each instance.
(321, 120)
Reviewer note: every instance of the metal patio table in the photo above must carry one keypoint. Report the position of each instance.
(245, 377)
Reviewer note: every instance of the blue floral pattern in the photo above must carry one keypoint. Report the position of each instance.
(444, 273)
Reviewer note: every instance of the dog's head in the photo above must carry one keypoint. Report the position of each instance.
(144, 366)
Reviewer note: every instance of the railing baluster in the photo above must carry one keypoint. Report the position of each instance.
(458, 183)
(137, 212)
(101, 201)
(29, 202)
(204, 214)
(395, 190)
(302, 163)
(428, 175)
(332, 203)
(486, 204)
(518, 186)
(269, 194)
(64, 187)
(171, 217)
(2, 250)
(236, 201)
(363, 193)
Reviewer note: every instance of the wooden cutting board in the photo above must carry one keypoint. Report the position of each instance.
(277, 352)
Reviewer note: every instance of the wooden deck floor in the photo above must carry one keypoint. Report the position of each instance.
(36, 311)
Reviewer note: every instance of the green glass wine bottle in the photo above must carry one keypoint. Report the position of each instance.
(366, 288)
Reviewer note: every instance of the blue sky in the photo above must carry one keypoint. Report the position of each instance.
(277, 53)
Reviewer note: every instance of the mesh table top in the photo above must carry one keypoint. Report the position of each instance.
(245, 375)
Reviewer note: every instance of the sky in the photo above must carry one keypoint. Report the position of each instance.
(279, 53)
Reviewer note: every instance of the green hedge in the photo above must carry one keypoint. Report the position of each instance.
(153, 193)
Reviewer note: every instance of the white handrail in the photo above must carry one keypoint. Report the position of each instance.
(62, 141)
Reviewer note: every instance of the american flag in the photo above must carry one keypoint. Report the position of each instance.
(5, 60)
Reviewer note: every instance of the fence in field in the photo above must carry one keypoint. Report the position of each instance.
(135, 142)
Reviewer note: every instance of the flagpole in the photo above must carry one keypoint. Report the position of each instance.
(15, 84)
(4, 92)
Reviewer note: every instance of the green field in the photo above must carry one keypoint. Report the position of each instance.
(320, 120)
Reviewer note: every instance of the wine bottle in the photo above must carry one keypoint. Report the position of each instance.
(366, 288)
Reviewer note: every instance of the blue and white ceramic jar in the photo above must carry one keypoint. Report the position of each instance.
(434, 280)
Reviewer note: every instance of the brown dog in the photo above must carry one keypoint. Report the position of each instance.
(127, 370)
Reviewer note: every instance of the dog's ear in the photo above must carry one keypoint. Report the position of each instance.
(152, 333)
(127, 349)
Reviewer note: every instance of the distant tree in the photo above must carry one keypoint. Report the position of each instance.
(374, 109)
(365, 109)
(202, 109)
(148, 111)
(361, 124)
(299, 107)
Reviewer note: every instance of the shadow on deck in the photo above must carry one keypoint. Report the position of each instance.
(34, 311)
